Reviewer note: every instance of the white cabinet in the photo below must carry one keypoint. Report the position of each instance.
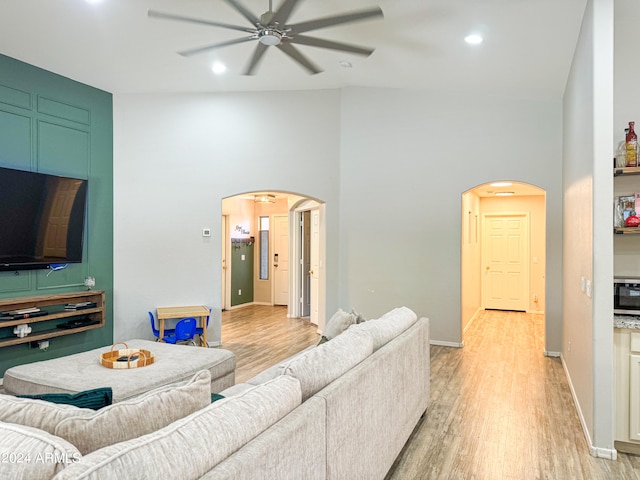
(627, 389)
(634, 394)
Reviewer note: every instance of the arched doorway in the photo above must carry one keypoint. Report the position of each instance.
(503, 249)
(266, 249)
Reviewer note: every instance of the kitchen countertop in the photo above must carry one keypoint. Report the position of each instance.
(626, 321)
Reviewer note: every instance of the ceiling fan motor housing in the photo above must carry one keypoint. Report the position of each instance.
(270, 37)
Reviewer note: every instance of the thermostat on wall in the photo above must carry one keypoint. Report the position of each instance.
(206, 232)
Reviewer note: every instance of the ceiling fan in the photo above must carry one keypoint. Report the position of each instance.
(272, 29)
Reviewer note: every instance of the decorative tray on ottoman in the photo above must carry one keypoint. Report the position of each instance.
(126, 357)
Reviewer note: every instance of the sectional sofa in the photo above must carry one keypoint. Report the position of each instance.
(341, 410)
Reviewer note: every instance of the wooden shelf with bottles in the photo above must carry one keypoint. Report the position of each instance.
(54, 305)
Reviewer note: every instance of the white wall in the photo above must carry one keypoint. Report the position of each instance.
(382, 160)
(177, 156)
(588, 245)
(406, 158)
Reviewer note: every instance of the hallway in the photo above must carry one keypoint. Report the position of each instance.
(500, 409)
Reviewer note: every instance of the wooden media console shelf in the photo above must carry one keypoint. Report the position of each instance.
(88, 318)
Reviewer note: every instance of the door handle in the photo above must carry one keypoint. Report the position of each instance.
(488, 268)
(310, 272)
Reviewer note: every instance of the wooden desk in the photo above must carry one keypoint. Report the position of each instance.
(198, 311)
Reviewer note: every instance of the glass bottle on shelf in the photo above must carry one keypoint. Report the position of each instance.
(631, 142)
(621, 151)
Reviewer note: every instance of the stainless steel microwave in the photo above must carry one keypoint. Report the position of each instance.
(626, 295)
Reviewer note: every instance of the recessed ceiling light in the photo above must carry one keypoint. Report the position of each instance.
(219, 68)
(473, 39)
(504, 194)
(93, 2)
(345, 64)
(501, 184)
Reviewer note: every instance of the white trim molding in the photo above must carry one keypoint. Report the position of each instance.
(446, 344)
(607, 453)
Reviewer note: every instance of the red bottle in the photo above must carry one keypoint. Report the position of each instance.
(632, 220)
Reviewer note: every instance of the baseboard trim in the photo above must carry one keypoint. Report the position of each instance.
(473, 317)
(606, 453)
(553, 354)
(446, 344)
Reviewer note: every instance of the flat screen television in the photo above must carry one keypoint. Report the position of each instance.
(41, 219)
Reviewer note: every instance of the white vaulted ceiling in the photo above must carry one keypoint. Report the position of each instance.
(113, 45)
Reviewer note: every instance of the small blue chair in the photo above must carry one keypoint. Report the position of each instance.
(200, 330)
(156, 332)
(185, 331)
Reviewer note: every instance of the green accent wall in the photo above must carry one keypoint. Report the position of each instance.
(51, 124)
(241, 271)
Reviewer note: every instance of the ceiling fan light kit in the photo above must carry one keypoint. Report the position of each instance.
(270, 37)
(272, 30)
(265, 198)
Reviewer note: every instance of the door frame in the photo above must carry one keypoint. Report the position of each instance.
(295, 249)
(226, 264)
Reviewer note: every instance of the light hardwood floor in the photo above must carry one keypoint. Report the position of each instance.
(261, 336)
(499, 409)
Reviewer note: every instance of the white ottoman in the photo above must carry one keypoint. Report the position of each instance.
(173, 364)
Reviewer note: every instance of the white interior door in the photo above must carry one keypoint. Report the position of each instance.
(314, 273)
(505, 253)
(281, 259)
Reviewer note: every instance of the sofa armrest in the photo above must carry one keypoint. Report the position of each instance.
(373, 408)
(292, 449)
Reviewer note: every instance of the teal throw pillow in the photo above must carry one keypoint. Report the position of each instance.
(215, 397)
(94, 399)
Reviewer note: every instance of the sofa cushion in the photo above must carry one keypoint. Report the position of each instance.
(321, 365)
(191, 446)
(337, 324)
(138, 416)
(37, 413)
(32, 454)
(94, 399)
(237, 389)
(276, 370)
(388, 326)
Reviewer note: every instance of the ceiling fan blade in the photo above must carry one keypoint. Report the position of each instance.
(171, 16)
(344, 47)
(195, 51)
(255, 59)
(298, 57)
(284, 12)
(335, 20)
(244, 12)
